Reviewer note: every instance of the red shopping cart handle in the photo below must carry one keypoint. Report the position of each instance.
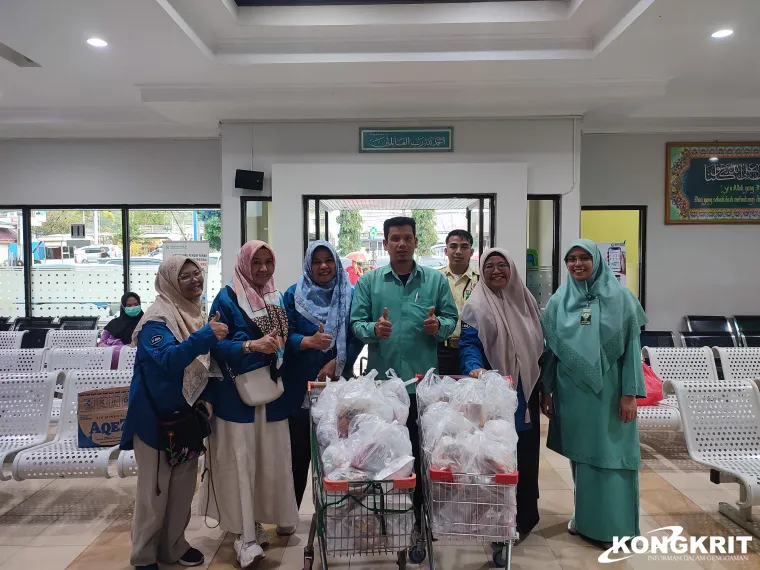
(342, 486)
(446, 476)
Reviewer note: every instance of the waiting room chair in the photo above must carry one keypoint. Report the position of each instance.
(658, 339)
(78, 323)
(11, 340)
(22, 360)
(127, 357)
(72, 339)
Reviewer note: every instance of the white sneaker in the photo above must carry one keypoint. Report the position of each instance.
(261, 535)
(250, 554)
(286, 530)
(237, 545)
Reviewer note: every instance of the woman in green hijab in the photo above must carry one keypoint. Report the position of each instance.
(591, 375)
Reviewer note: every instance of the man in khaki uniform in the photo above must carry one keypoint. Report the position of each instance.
(462, 278)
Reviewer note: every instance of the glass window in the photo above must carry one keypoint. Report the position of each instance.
(12, 291)
(540, 262)
(256, 214)
(77, 277)
(149, 229)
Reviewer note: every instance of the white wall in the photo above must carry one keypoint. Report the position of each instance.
(291, 181)
(691, 269)
(75, 172)
(549, 148)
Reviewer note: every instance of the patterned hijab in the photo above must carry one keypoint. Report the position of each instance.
(327, 304)
(182, 317)
(263, 305)
(589, 351)
(508, 325)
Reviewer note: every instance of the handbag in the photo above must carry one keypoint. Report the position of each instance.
(180, 433)
(653, 386)
(257, 387)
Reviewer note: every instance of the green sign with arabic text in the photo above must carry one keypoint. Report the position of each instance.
(406, 139)
(712, 183)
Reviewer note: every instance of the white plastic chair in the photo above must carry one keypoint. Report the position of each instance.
(127, 465)
(25, 402)
(740, 363)
(721, 420)
(681, 364)
(22, 360)
(62, 457)
(127, 357)
(71, 339)
(11, 340)
(93, 358)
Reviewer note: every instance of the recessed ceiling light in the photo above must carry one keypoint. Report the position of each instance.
(714, 159)
(97, 42)
(722, 34)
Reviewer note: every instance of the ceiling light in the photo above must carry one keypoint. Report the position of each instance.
(97, 42)
(714, 159)
(722, 33)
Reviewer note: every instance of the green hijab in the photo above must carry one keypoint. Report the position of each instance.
(616, 317)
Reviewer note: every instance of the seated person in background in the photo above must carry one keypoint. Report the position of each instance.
(118, 331)
(501, 331)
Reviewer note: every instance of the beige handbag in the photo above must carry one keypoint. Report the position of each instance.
(257, 388)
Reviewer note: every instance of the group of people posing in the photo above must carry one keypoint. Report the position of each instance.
(578, 363)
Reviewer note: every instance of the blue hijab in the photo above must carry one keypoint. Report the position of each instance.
(327, 304)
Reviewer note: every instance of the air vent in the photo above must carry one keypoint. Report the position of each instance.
(16, 58)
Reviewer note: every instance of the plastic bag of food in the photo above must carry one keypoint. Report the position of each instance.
(500, 395)
(399, 468)
(327, 399)
(348, 474)
(361, 396)
(470, 398)
(432, 388)
(487, 456)
(327, 428)
(337, 455)
(450, 453)
(394, 391)
(502, 432)
(374, 446)
(440, 420)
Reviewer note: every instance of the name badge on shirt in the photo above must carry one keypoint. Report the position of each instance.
(586, 316)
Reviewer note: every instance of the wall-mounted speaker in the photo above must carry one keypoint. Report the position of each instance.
(249, 180)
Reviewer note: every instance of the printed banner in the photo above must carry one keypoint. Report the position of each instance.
(410, 139)
(712, 183)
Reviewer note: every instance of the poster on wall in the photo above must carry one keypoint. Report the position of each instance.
(712, 183)
(195, 250)
(614, 254)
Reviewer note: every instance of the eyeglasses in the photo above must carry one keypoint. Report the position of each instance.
(582, 259)
(502, 267)
(187, 277)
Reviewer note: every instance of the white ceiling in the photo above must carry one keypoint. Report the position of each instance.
(175, 68)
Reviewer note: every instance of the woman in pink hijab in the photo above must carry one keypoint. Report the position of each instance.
(250, 480)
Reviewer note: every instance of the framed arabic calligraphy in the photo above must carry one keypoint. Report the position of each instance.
(712, 183)
(406, 139)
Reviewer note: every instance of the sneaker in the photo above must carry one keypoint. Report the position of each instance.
(261, 535)
(250, 554)
(193, 557)
(237, 545)
(286, 530)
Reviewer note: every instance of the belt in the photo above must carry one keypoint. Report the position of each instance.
(451, 343)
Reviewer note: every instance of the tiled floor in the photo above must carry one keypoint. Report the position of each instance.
(85, 524)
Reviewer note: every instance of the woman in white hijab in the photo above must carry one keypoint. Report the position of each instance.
(172, 368)
(501, 331)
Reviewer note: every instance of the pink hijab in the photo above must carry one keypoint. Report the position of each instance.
(263, 305)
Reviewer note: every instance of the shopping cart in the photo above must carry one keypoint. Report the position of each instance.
(466, 507)
(357, 517)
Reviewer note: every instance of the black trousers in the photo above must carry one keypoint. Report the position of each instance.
(528, 452)
(448, 361)
(414, 436)
(300, 451)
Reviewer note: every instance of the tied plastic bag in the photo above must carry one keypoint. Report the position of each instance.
(432, 388)
(394, 392)
(450, 453)
(471, 399)
(375, 445)
(327, 399)
(653, 385)
(442, 419)
(336, 456)
(500, 395)
(361, 396)
(502, 432)
(486, 456)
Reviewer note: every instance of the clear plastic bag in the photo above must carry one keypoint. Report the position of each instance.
(348, 474)
(502, 433)
(394, 392)
(374, 446)
(500, 395)
(432, 388)
(361, 396)
(327, 428)
(328, 399)
(471, 399)
(450, 453)
(487, 456)
(442, 419)
(336, 456)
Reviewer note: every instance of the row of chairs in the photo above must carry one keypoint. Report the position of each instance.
(48, 338)
(708, 331)
(64, 323)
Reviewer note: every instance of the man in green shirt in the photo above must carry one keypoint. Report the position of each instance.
(401, 311)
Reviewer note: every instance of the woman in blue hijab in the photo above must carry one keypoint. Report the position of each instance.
(591, 376)
(320, 343)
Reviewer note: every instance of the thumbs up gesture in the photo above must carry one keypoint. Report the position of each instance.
(431, 324)
(383, 326)
(220, 329)
(320, 340)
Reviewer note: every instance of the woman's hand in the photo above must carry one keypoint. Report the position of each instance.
(268, 344)
(477, 372)
(328, 371)
(220, 329)
(318, 341)
(547, 405)
(627, 409)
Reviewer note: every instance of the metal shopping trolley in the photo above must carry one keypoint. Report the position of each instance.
(466, 507)
(357, 517)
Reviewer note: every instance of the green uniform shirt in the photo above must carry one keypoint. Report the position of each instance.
(410, 350)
